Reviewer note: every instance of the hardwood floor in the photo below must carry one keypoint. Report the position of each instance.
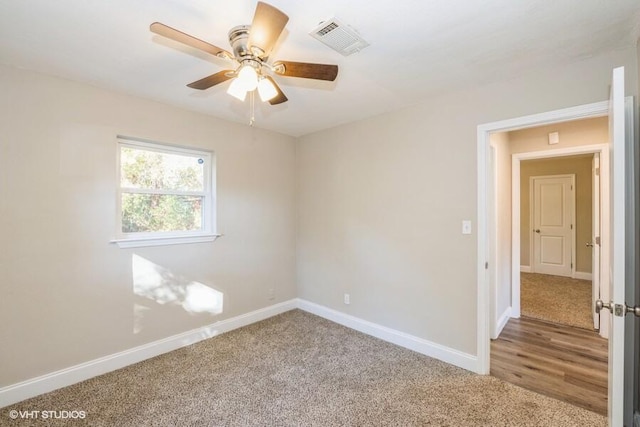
(562, 362)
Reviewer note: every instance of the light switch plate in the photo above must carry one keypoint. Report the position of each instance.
(466, 227)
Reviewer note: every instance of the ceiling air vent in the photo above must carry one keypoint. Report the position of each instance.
(339, 37)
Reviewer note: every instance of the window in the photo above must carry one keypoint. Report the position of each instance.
(165, 194)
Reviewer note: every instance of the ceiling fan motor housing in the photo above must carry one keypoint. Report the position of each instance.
(238, 38)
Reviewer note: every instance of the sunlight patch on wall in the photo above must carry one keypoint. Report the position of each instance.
(159, 284)
(138, 317)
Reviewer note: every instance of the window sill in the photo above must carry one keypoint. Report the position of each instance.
(163, 241)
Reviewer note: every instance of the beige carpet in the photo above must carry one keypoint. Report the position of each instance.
(297, 369)
(556, 299)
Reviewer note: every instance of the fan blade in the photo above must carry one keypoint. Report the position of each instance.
(268, 23)
(306, 70)
(212, 80)
(280, 97)
(179, 36)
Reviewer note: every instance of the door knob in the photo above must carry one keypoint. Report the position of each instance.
(589, 244)
(600, 305)
(633, 310)
(537, 230)
(618, 309)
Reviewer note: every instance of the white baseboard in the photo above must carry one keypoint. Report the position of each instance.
(437, 351)
(74, 374)
(502, 322)
(582, 275)
(577, 275)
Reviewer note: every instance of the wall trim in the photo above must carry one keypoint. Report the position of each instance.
(74, 374)
(582, 275)
(62, 378)
(502, 322)
(402, 339)
(525, 269)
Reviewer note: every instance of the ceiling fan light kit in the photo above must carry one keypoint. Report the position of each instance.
(251, 46)
(237, 90)
(248, 76)
(266, 90)
(248, 81)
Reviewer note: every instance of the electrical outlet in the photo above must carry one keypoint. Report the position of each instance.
(347, 299)
(271, 294)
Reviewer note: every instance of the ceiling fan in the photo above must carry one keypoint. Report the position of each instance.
(252, 45)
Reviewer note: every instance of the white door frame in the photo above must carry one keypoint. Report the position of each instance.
(603, 151)
(596, 226)
(598, 109)
(492, 272)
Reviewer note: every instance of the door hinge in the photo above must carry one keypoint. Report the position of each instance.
(571, 265)
(597, 171)
(486, 265)
(572, 226)
(597, 240)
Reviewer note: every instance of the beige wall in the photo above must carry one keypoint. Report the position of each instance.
(66, 292)
(381, 201)
(581, 167)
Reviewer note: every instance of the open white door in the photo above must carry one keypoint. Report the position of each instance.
(616, 272)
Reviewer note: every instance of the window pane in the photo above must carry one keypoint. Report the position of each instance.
(160, 212)
(153, 170)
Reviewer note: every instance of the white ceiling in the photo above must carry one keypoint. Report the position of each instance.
(418, 48)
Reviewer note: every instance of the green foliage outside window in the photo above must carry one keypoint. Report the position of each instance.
(153, 186)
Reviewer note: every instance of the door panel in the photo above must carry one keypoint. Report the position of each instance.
(553, 224)
(552, 250)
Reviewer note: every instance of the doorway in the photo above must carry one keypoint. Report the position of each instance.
(486, 266)
(558, 238)
(494, 297)
(551, 188)
(622, 245)
(589, 258)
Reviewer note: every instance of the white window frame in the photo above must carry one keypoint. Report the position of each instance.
(139, 239)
